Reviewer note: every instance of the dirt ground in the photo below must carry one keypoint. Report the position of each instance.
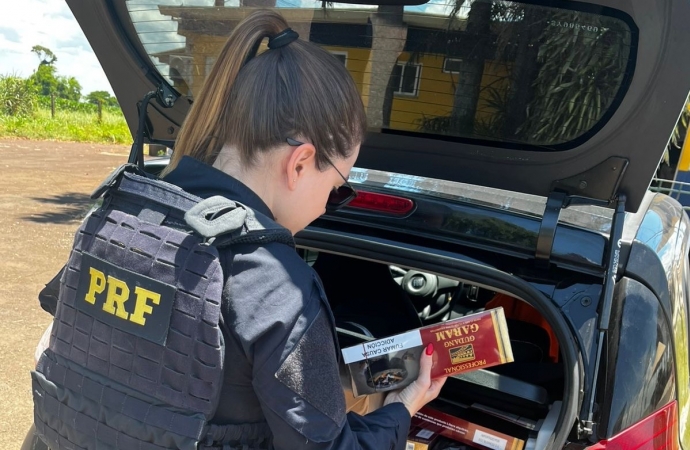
(44, 192)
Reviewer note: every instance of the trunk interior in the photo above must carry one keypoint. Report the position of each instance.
(524, 399)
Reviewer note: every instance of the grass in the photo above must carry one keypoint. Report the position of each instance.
(68, 126)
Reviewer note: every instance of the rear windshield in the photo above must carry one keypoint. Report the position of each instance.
(502, 71)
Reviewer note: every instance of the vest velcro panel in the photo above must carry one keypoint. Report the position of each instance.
(187, 371)
(74, 408)
(136, 352)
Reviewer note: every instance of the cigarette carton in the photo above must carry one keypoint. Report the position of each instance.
(476, 341)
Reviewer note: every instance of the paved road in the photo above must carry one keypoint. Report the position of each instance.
(44, 189)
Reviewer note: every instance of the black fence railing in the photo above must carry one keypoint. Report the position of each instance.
(675, 189)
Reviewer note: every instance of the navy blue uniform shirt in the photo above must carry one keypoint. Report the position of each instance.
(281, 361)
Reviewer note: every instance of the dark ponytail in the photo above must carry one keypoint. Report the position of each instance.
(254, 103)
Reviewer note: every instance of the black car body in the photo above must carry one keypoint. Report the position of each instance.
(543, 197)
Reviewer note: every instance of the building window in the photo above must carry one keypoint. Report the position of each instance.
(340, 56)
(210, 61)
(452, 65)
(181, 72)
(406, 78)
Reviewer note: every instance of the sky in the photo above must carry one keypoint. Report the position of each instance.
(49, 23)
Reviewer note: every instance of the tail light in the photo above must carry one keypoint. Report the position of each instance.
(390, 204)
(659, 431)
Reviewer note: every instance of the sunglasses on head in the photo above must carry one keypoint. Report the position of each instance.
(340, 196)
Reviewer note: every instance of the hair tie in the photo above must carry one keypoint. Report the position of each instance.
(283, 38)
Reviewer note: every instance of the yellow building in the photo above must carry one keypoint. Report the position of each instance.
(422, 80)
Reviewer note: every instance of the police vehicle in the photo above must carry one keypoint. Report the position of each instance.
(511, 148)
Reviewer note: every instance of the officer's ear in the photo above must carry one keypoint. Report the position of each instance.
(301, 161)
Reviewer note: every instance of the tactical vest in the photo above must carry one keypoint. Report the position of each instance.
(136, 353)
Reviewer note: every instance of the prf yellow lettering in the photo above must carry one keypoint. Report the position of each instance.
(118, 293)
(141, 307)
(96, 286)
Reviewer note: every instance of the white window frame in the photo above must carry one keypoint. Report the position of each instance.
(418, 77)
(340, 53)
(443, 68)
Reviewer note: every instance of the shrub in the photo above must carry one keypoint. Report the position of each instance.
(62, 104)
(68, 126)
(18, 96)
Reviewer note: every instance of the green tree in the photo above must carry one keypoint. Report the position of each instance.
(47, 80)
(44, 77)
(581, 70)
(103, 96)
(45, 55)
(68, 88)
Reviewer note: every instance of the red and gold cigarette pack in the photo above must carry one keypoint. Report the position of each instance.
(472, 342)
(437, 423)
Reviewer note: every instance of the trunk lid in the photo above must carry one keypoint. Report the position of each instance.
(580, 97)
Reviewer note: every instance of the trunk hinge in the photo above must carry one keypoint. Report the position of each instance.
(165, 97)
(549, 222)
(610, 278)
(557, 201)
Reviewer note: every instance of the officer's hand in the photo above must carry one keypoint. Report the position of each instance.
(422, 390)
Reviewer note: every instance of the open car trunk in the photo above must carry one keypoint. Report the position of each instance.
(572, 102)
(533, 398)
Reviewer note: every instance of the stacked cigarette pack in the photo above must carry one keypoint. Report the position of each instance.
(430, 426)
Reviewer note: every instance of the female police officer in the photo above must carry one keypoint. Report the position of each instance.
(279, 132)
